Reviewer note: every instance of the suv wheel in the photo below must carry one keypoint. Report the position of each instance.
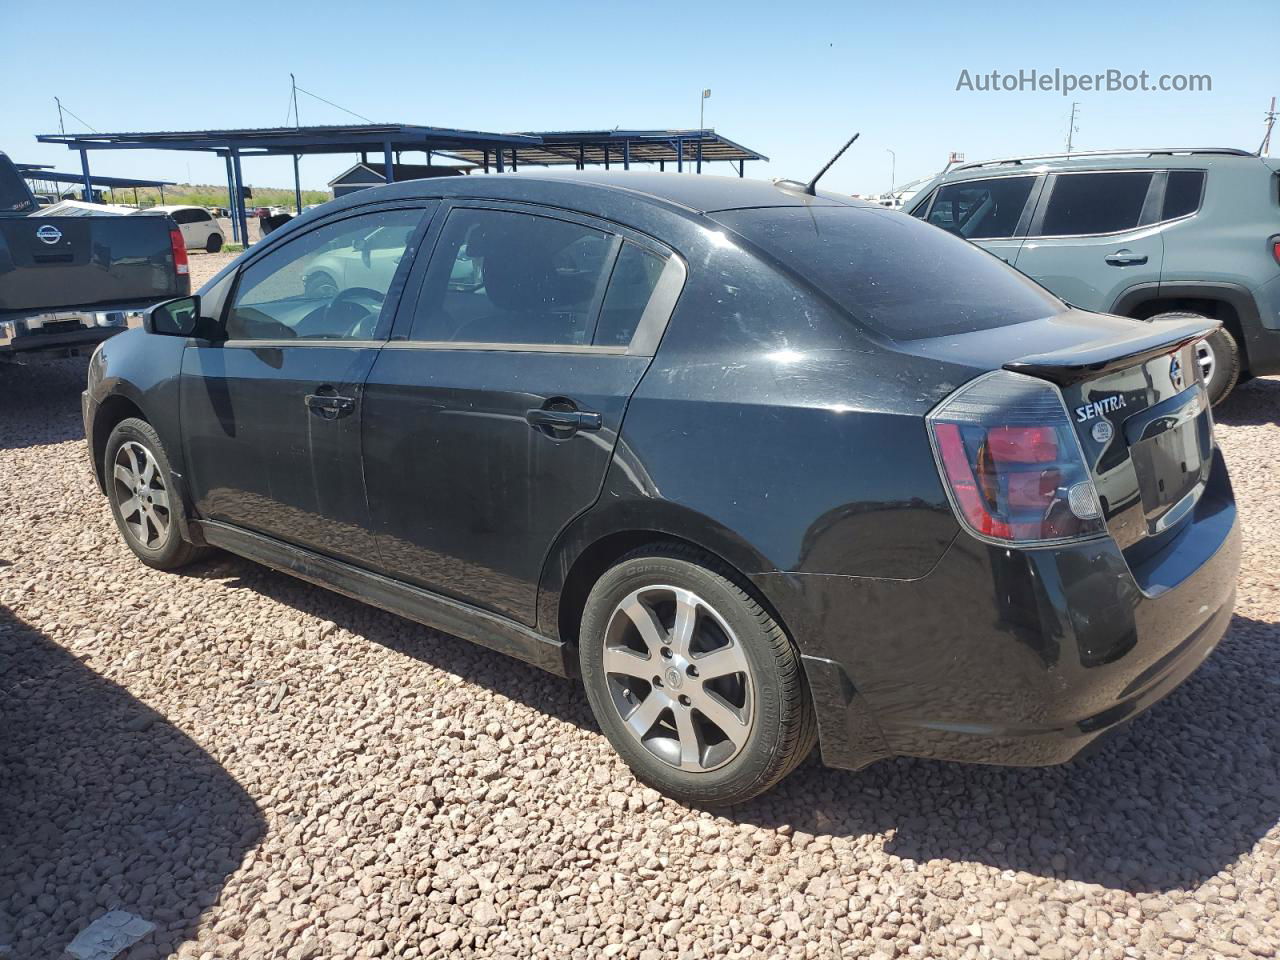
(142, 497)
(213, 244)
(1218, 356)
(695, 685)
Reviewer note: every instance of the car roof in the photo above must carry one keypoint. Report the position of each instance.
(695, 193)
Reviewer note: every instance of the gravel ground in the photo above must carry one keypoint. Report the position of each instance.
(266, 769)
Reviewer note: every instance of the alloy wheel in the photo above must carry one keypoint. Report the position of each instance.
(679, 678)
(141, 496)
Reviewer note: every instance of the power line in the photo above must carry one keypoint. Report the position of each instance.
(62, 108)
(334, 105)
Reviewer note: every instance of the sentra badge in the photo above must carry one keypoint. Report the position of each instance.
(1106, 405)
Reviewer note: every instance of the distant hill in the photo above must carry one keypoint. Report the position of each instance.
(206, 195)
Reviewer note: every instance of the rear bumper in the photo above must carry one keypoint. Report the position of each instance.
(1019, 657)
(1262, 341)
(25, 337)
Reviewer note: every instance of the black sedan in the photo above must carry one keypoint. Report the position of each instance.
(765, 468)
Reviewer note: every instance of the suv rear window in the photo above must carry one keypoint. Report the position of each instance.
(892, 273)
(1088, 203)
(14, 196)
(1182, 193)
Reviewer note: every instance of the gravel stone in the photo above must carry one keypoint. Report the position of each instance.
(264, 769)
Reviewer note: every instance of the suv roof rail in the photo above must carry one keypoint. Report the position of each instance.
(1139, 152)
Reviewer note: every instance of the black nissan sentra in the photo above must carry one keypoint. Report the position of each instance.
(766, 469)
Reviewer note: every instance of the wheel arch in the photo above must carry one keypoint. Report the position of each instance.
(1231, 303)
(592, 544)
(111, 411)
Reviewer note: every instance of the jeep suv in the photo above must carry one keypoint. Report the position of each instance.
(1150, 234)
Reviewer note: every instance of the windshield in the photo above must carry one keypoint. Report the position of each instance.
(14, 195)
(899, 277)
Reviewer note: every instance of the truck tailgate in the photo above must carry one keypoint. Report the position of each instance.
(57, 263)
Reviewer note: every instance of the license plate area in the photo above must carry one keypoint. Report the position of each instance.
(1171, 446)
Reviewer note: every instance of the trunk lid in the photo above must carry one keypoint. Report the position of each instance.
(59, 263)
(1135, 399)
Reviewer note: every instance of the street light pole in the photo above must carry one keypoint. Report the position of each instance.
(893, 168)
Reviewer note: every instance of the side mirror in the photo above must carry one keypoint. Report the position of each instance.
(176, 318)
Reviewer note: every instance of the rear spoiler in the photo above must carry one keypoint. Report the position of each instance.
(1074, 364)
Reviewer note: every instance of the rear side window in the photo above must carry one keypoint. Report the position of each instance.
(635, 276)
(1182, 193)
(189, 216)
(892, 273)
(498, 276)
(1086, 203)
(981, 209)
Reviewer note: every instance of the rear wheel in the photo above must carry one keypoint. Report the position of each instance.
(693, 682)
(214, 243)
(1218, 356)
(143, 500)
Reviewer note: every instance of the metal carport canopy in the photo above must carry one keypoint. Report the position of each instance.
(236, 144)
(605, 147)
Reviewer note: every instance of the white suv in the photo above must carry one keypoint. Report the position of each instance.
(199, 230)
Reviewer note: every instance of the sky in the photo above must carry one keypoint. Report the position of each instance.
(792, 81)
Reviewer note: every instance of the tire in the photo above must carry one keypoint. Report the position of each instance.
(1218, 354)
(213, 244)
(759, 722)
(144, 501)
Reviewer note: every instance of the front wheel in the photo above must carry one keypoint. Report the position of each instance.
(143, 500)
(694, 683)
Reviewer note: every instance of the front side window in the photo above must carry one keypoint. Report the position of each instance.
(498, 276)
(981, 209)
(1088, 203)
(328, 284)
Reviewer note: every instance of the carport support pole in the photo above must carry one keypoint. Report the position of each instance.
(501, 164)
(606, 156)
(679, 155)
(231, 200)
(626, 154)
(388, 170)
(297, 187)
(699, 154)
(239, 208)
(486, 161)
(742, 167)
(88, 183)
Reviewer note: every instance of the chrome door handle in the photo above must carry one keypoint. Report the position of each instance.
(330, 407)
(564, 419)
(1126, 258)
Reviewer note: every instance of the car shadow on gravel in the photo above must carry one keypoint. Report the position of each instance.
(40, 402)
(1162, 804)
(103, 805)
(1254, 404)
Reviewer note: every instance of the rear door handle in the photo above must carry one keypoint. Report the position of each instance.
(564, 419)
(1126, 258)
(330, 407)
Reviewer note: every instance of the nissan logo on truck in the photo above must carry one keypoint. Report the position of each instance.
(49, 234)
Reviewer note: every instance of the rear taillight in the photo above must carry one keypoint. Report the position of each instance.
(1011, 462)
(180, 262)
(1274, 244)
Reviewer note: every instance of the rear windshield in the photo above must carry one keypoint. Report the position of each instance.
(901, 278)
(14, 195)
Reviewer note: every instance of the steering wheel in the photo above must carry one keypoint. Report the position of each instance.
(366, 301)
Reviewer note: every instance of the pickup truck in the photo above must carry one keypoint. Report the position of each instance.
(68, 283)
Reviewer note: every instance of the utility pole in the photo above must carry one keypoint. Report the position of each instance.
(62, 129)
(1265, 149)
(1072, 129)
(297, 124)
(893, 169)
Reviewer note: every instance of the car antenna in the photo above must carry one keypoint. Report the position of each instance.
(811, 187)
